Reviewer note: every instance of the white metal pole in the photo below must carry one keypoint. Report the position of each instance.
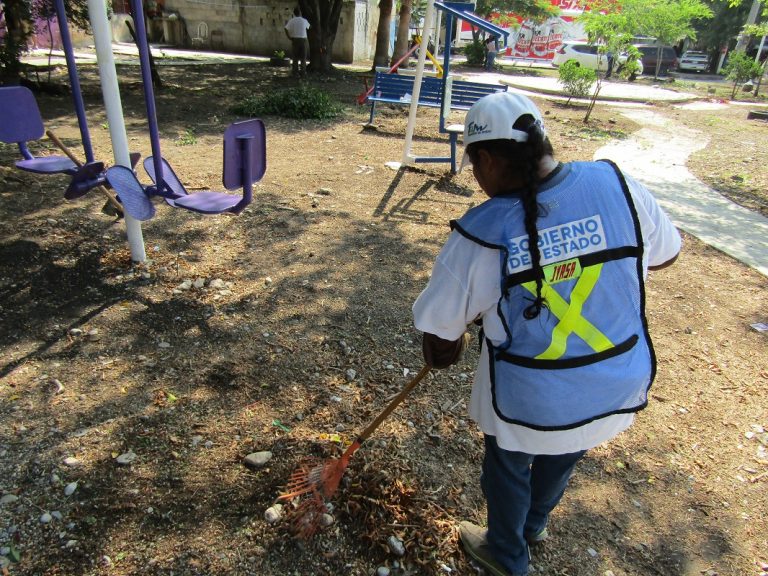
(760, 50)
(407, 158)
(437, 35)
(102, 36)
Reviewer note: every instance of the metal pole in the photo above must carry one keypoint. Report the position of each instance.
(407, 157)
(74, 81)
(102, 36)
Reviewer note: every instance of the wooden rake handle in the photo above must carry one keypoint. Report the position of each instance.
(396, 401)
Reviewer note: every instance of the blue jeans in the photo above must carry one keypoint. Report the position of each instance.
(520, 490)
(490, 58)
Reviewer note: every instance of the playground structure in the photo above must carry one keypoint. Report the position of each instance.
(245, 159)
(21, 122)
(441, 92)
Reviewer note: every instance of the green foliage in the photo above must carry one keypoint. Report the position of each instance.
(280, 54)
(189, 138)
(670, 21)
(577, 81)
(475, 53)
(537, 10)
(302, 103)
(741, 68)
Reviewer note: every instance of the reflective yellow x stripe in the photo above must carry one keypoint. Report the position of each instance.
(569, 315)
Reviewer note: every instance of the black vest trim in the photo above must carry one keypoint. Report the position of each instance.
(576, 362)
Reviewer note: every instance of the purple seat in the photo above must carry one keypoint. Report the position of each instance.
(21, 122)
(130, 192)
(245, 161)
(169, 177)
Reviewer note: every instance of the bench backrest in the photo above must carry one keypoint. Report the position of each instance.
(396, 86)
(460, 95)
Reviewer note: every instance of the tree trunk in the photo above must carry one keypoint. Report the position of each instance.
(323, 17)
(403, 40)
(381, 57)
(18, 30)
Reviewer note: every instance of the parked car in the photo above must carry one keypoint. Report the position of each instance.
(649, 54)
(586, 55)
(694, 61)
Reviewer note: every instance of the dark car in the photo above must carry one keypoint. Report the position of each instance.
(649, 56)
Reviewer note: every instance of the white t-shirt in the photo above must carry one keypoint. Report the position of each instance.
(447, 306)
(297, 27)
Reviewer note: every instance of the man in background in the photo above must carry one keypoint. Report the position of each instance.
(296, 30)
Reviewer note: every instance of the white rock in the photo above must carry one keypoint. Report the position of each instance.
(592, 552)
(70, 488)
(75, 332)
(217, 284)
(72, 462)
(267, 280)
(164, 345)
(199, 283)
(59, 387)
(71, 543)
(126, 458)
(396, 546)
(257, 459)
(326, 520)
(8, 499)
(93, 335)
(58, 515)
(382, 571)
(273, 513)
(351, 375)
(46, 518)
(186, 285)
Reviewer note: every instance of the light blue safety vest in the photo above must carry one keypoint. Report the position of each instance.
(588, 354)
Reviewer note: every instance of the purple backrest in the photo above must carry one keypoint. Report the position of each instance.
(20, 119)
(233, 153)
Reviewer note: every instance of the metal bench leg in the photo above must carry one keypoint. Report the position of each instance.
(453, 137)
(373, 111)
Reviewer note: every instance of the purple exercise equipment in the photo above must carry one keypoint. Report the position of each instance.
(245, 159)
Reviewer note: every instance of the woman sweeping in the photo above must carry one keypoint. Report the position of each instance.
(552, 266)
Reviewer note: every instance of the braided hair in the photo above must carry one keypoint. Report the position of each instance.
(522, 160)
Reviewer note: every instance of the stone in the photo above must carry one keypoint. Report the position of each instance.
(257, 459)
(273, 513)
(126, 458)
(396, 546)
(8, 499)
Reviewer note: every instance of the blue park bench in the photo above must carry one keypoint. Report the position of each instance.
(460, 95)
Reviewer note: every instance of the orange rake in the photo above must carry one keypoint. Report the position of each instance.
(320, 480)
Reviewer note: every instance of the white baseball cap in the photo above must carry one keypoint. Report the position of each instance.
(492, 118)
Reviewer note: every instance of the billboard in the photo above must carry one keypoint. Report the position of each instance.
(538, 41)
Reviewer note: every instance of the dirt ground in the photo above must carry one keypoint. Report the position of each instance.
(304, 339)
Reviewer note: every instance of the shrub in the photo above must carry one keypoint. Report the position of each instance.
(577, 81)
(302, 103)
(740, 68)
(475, 53)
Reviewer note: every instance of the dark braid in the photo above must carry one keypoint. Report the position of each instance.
(523, 160)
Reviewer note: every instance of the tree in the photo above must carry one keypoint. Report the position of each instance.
(381, 56)
(669, 21)
(741, 68)
(576, 80)
(402, 41)
(730, 20)
(20, 17)
(611, 28)
(323, 17)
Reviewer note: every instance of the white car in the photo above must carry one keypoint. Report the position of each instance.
(692, 60)
(587, 55)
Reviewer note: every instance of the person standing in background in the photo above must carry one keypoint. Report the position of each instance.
(491, 49)
(296, 30)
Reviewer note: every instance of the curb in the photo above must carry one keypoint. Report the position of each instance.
(601, 97)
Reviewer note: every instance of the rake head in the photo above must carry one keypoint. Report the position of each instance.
(313, 482)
